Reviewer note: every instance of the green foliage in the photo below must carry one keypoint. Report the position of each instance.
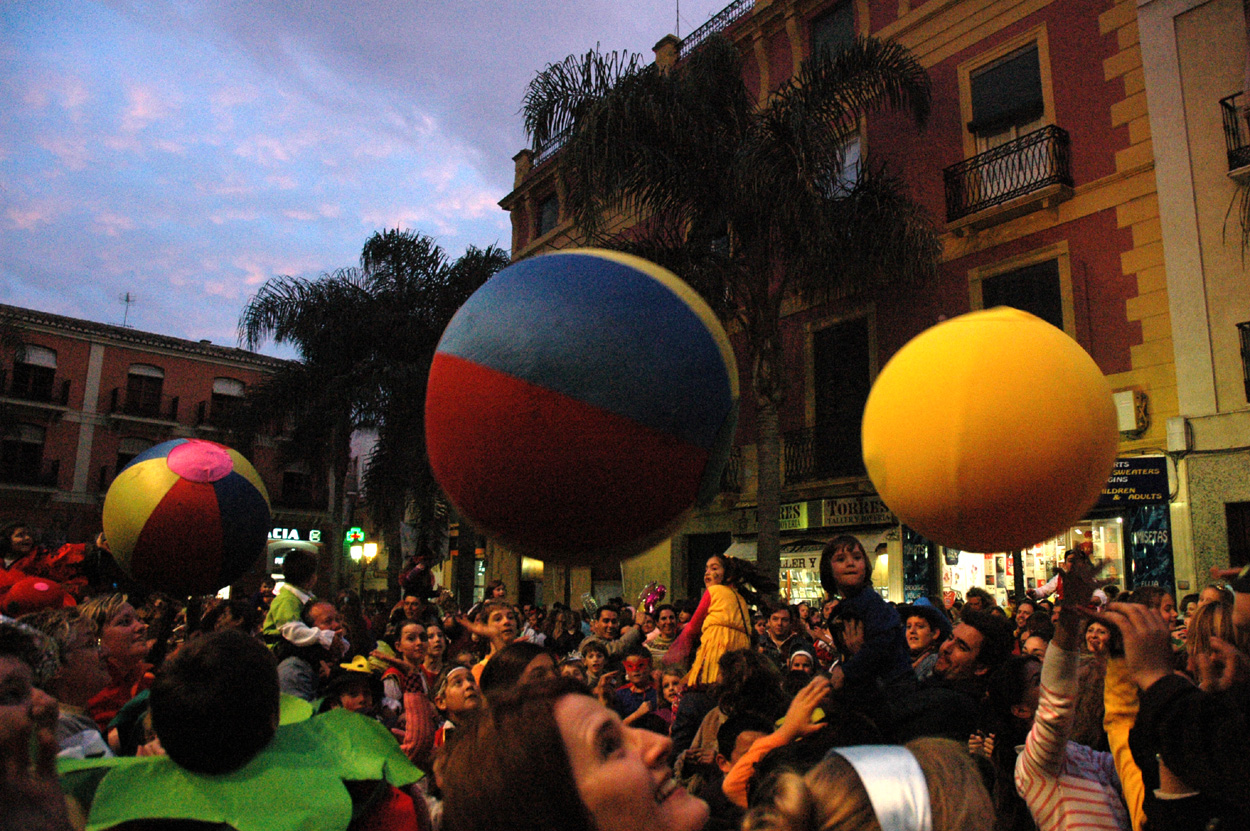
(365, 337)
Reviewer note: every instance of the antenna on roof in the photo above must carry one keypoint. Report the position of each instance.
(126, 299)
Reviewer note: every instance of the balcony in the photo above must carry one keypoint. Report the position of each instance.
(215, 414)
(721, 21)
(1014, 178)
(37, 390)
(825, 451)
(1236, 112)
(157, 408)
(45, 474)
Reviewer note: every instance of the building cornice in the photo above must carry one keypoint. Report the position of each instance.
(124, 336)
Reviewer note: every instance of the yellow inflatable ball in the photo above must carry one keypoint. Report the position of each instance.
(992, 431)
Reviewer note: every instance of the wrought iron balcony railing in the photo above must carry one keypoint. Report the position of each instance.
(215, 413)
(1236, 111)
(1027, 165)
(163, 407)
(46, 474)
(826, 451)
(42, 389)
(721, 21)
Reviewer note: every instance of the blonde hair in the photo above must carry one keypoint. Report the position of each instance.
(1214, 620)
(831, 796)
(102, 608)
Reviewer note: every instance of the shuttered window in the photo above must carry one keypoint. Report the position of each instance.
(1007, 93)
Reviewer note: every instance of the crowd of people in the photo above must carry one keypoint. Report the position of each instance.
(1071, 709)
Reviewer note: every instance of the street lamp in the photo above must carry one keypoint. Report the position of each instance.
(363, 553)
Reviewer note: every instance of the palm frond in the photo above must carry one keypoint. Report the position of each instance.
(560, 92)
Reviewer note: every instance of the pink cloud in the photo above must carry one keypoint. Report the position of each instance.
(112, 224)
(28, 218)
(144, 106)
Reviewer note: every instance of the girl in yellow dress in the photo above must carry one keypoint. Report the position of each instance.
(722, 623)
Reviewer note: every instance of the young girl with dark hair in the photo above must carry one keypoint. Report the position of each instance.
(873, 645)
(722, 622)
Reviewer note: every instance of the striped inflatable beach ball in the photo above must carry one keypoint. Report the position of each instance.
(187, 517)
(580, 404)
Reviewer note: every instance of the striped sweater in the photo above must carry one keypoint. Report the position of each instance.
(1066, 785)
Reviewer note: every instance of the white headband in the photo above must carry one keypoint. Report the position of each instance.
(895, 784)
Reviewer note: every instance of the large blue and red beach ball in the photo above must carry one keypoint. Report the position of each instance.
(580, 404)
(187, 517)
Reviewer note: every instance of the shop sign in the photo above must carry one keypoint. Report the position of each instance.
(856, 510)
(308, 535)
(1136, 480)
(794, 516)
(804, 561)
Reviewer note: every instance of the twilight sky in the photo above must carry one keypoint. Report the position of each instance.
(185, 152)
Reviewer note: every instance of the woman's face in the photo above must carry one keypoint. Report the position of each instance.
(21, 542)
(124, 637)
(622, 773)
(83, 672)
(714, 573)
(436, 641)
(919, 634)
(646, 623)
(1097, 637)
(412, 643)
(1167, 608)
(849, 567)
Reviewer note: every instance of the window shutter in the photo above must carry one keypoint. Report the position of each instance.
(1008, 92)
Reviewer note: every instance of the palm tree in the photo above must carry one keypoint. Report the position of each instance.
(365, 338)
(748, 202)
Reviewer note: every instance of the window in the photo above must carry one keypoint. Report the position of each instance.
(842, 370)
(297, 489)
(21, 454)
(848, 176)
(834, 30)
(227, 396)
(548, 214)
(33, 373)
(144, 384)
(1007, 100)
(1237, 514)
(1038, 282)
(128, 448)
(1034, 289)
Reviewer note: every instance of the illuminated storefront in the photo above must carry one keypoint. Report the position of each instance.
(1129, 529)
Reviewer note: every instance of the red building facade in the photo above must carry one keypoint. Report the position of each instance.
(1037, 166)
(80, 399)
